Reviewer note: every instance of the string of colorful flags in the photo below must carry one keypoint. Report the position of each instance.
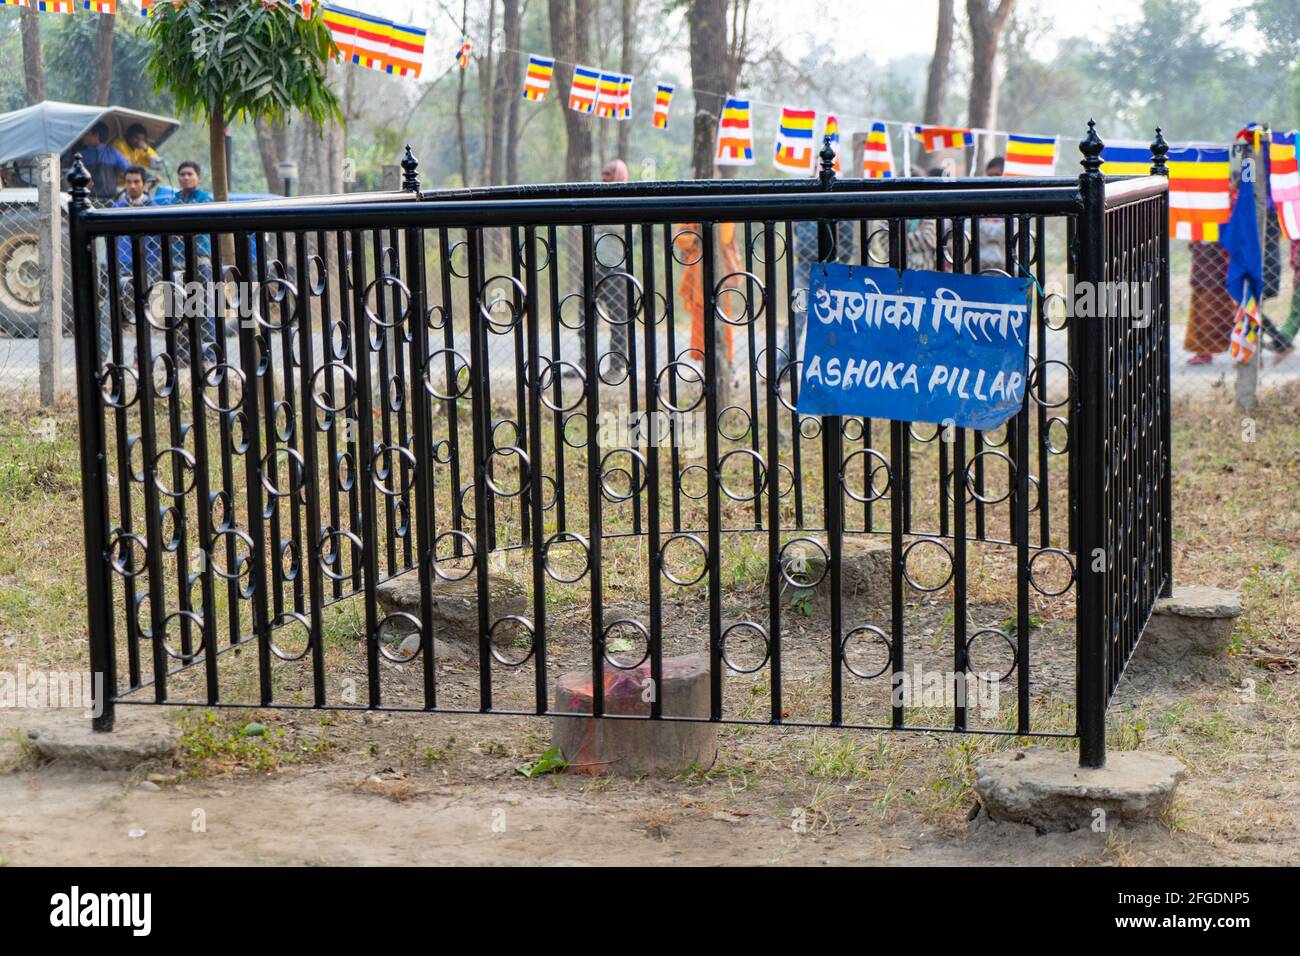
(1199, 175)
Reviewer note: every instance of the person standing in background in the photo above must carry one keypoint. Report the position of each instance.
(135, 147)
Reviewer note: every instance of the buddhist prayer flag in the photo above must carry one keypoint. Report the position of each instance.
(537, 81)
(1199, 200)
(614, 96)
(100, 6)
(462, 54)
(735, 137)
(342, 24)
(663, 98)
(582, 93)
(1030, 155)
(833, 131)
(406, 50)
(794, 141)
(942, 137)
(51, 6)
(1126, 160)
(1284, 182)
(877, 157)
(372, 46)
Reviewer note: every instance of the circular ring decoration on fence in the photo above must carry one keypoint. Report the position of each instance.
(744, 627)
(317, 276)
(115, 376)
(525, 625)
(783, 470)
(607, 261)
(455, 247)
(1058, 554)
(1032, 384)
(911, 430)
(970, 477)
(907, 575)
(663, 559)
(1061, 314)
(681, 482)
(381, 471)
(810, 427)
(797, 564)
(874, 254)
(635, 305)
(166, 297)
(221, 510)
(742, 433)
(606, 638)
(278, 291)
(749, 314)
(606, 473)
(516, 303)
(467, 542)
(167, 385)
(213, 377)
(548, 379)
(280, 620)
(684, 247)
(613, 362)
(879, 466)
(331, 555)
(853, 428)
(1052, 447)
(504, 452)
(760, 362)
(759, 480)
(182, 616)
(576, 298)
(871, 634)
(384, 626)
(563, 538)
(572, 442)
(169, 527)
(514, 437)
(320, 397)
(121, 550)
(1015, 657)
(688, 374)
(186, 464)
(523, 252)
(791, 371)
(758, 248)
(271, 471)
(460, 373)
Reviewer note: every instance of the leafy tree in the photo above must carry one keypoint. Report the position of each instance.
(232, 60)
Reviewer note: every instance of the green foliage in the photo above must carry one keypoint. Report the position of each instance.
(71, 47)
(249, 60)
(550, 762)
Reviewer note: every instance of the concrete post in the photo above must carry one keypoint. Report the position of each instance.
(50, 250)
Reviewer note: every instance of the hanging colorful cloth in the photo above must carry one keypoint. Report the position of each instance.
(942, 137)
(51, 6)
(1030, 155)
(833, 131)
(1284, 182)
(1126, 159)
(100, 6)
(462, 55)
(663, 99)
(623, 99)
(1200, 198)
(342, 25)
(877, 157)
(735, 137)
(537, 81)
(794, 152)
(582, 93)
(406, 50)
(1245, 333)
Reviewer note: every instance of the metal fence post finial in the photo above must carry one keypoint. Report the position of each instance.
(79, 180)
(826, 175)
(1159, 155)
(1091, 147)
(410, 172)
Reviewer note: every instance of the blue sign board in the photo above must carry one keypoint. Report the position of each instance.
(918, 347)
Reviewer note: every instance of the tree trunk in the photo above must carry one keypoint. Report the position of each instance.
(505, 88)
(629, 11)
(273, 145)
(570, 43)
(217, 153)
(709, 60)
(986, 28)
(487, 68)
(936, 87)
(33, 63)
(104, 58)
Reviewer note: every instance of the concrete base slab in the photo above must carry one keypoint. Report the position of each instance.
(1048, 790)
(633, 747)
(1191, 621)
(136, 738)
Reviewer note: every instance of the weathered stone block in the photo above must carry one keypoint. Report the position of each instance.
(1193, 620)
(455, 605)
(1048, 790)
(864, 570)
(137, 736)
(632, 747)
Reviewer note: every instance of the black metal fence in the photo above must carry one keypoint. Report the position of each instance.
(582, 400)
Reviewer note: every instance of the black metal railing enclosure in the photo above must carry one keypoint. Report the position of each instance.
(429, 451)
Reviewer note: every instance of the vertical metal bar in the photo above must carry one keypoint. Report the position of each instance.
(481, 417)
(1090, 412)
(1020, 522)
(711, 451)
(595, 524)
(93, 450)
(653, 545)
(833, 487)
(536, 512)
(773, 405)
(897, 503)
